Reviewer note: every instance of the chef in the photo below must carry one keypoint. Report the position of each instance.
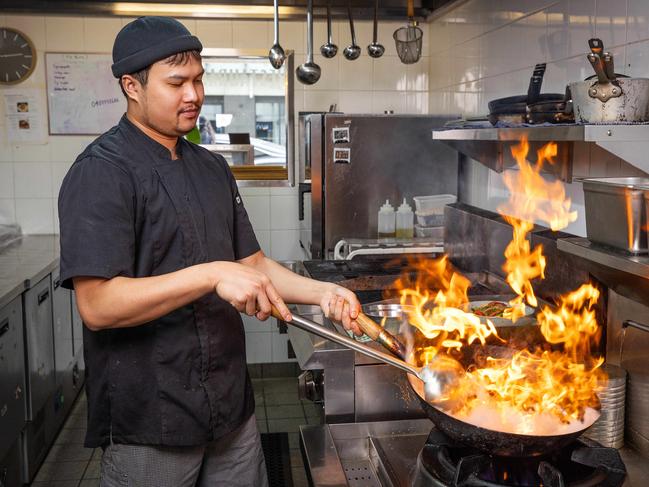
(157, 244)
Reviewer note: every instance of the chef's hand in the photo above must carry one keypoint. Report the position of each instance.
(248, 290)
(342, 306)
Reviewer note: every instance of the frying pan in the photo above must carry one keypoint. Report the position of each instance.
(490, 441)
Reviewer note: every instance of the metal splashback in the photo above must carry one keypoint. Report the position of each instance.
(359, 161)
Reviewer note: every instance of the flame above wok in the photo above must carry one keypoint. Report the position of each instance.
(545, 389)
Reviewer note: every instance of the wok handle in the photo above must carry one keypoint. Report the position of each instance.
(411, 10)
(313, 327)
(381, 336)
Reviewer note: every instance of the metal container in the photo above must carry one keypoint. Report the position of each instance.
(631, 106)
(615, 213)
(609, 428)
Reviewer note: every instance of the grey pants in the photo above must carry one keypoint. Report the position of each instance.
(236, 460)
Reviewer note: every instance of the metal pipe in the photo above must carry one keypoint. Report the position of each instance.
(635, 324)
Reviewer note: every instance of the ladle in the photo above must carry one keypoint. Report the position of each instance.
(329, 49)
(276, 55)
(437, 376)
(351, 52)
(375, 49)
(309, 72)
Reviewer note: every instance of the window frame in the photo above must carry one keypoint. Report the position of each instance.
(266, 175)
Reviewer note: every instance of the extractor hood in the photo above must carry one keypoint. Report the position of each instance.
(252, 9)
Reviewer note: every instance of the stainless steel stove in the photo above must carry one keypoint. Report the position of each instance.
(412, 453)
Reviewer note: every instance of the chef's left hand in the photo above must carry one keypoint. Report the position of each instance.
(342, 306)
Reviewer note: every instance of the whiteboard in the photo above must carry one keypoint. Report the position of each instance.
(83, 97)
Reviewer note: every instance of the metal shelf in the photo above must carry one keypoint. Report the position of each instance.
(557, 133)
(637, 265)
(489, 145)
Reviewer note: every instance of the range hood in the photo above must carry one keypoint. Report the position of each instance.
(252, 9)
(491, 145)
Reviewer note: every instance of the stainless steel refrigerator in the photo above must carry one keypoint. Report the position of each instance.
(349, 164)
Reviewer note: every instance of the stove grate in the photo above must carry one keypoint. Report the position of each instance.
(583, 463)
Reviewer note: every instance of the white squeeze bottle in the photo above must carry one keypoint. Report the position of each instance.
(386, 220)
(405, 221)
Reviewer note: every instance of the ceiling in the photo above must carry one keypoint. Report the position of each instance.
(250, 9)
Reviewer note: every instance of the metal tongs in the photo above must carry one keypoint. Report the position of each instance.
(606, 86)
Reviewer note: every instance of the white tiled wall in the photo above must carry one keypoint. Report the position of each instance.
(485, 49)
(30, 175)
(482, 50)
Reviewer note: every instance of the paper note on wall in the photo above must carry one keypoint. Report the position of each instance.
(83, 96)
(24, 116)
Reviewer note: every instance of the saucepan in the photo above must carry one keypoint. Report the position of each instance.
(609, 98)
(491, 441)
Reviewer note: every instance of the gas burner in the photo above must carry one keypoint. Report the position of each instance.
(443, 462)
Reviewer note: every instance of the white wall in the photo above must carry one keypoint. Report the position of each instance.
(31, 175)
(486, 49)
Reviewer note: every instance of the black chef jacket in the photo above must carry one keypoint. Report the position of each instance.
(127, 209)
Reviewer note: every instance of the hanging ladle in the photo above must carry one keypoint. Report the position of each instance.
(351, 52)
(309, 72)
(276, 54)
(329, 49)
(375, 49)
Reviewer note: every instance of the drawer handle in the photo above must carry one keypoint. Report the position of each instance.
(636, 325)
(57, 282)
(4, 326)
(43, 296)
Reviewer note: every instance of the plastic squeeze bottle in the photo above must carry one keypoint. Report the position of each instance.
(405, 221)
(386, 220)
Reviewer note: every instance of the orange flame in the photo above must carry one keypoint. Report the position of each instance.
(438, 293)
(547, 388)
(629, 216)
(531, 198)
(561, 383)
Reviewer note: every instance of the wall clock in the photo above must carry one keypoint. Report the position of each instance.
(17, 56)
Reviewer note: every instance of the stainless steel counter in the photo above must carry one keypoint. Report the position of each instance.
(25, 262)
(384, 454)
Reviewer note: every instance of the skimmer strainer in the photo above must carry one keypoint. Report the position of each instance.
(408, 39)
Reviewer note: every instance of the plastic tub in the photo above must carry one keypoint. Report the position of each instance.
(430, 219)
(429, 232)
(430, 209)
(434, 203)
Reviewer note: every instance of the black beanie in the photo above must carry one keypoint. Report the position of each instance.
(149, 39)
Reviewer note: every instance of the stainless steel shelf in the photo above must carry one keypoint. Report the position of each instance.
(581, 247)
(557, 133)
(488, 144)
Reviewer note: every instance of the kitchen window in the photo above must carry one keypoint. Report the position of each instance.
(247, 115)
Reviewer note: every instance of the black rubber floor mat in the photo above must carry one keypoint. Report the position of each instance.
(278, 459)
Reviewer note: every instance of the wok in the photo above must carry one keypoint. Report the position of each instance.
(490, 441)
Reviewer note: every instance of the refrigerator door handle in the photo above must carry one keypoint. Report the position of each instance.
(302, 189)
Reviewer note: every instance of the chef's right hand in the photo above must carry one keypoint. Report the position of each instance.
(248, 290)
